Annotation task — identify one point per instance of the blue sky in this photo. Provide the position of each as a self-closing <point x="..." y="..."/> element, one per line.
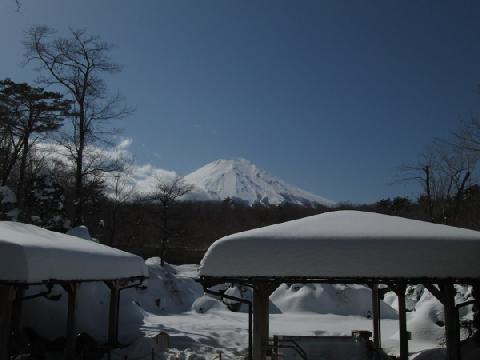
<point x="331" y="96"/>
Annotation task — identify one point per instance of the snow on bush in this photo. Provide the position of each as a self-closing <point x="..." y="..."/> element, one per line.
<point x="205" y="303"/>
<point x="80" y="231"/>
<point x="8" y="201"/>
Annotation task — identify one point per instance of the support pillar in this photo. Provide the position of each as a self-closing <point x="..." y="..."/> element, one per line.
<point x="402" y="317"/>
<point x="113" y="313"/>
<point x="260" y="321"/>
<point x="376" y="317"/>
<point x="452" y="328"/>
<point x="71" y="335"/>
<point x="17" y="312"/>
<point x="7" y="296"/>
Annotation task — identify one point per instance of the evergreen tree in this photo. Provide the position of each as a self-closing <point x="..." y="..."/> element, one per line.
<point x="32" y="113"/>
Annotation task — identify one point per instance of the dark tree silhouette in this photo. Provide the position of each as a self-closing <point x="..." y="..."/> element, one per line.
<point x="167" y="192"/>
<point x="32" y="113"/>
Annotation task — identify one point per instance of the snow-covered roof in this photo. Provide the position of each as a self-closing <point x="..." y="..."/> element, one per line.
<point x="30" y="254"/>
<point x="347" y="244"/>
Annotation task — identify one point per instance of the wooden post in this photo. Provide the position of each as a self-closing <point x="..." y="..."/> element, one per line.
<point x="17" y="314"/>
<point x="275" y="348"/>
<point x="260" y="321"/>
<point x="7" y="296"/>
<point x="113" y="313"/>
<point x="452" y="329"/>
<point x="402" y="317"/>
<point x="71" y="336"/>
<point x="376" y="317"/>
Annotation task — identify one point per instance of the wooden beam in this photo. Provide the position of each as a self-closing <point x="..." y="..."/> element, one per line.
<point x="7" y="296"/>
<point x="71" y="335"/>
<point x="452" y="328"/>
<point x="17" y="312"/>
<point x="376" y="317"/>
<point x="260" y="321"/>
<point x="402" y="317"/>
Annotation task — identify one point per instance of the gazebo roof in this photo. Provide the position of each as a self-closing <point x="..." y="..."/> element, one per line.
<point x="347" y="245"/>
<point x="29" y="254"/>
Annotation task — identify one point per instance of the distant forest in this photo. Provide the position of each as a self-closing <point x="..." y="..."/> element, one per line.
<point x="53" y="173"/>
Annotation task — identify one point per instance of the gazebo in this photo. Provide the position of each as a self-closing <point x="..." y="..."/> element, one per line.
<point x="30" y="255"/>
<point x="348" y="247"/>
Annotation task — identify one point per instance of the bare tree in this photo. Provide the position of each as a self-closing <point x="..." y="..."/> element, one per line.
<point x="468" y="137"/>
<point x="122" y="192"/>
<point x="424" y="173"/>
<point x="76" y="64"/>
<point x="444" y="173"/>
<point x="167" y="193"/>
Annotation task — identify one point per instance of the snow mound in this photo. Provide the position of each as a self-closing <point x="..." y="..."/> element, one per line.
<point x="206" y="303"/>
<point x="241" y="180"/>
<point x="169" y="289"/>
<point x="426" y="322"/>
<point x="328" y="299"/>
<point x="81" y="232"/>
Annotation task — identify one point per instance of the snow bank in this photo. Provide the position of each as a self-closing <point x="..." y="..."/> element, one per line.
<point x="169" y="289"/>
<point x="328" y="299"/>
<point x="348" y="244"/>
<point x="31" y="254"/>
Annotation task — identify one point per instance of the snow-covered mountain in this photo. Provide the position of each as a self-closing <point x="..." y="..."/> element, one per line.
<point x="239" y="179"/>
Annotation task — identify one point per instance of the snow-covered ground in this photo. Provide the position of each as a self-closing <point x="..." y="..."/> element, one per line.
<point x="200" y="327"/>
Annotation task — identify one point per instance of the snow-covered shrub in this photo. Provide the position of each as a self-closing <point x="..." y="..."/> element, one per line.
<point x="8" y="202"/>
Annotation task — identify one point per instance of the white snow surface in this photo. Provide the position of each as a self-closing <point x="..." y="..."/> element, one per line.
<point x="348" y="244"/>
<point x="30" y="254"/>
<point x="239" y="179"/>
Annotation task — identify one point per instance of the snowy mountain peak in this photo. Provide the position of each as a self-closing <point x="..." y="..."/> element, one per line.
<point x="242" y="180"/>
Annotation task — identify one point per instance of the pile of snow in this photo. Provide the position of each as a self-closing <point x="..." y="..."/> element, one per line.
<point x="206" y="303"/>
<point x="239" y="179"/>
<point x="347" y="244"/>
<point x="328" y="299"/>
<point x="81" y="232"/>
<point x="426" y="321"/>
<point x="169" y="289"/>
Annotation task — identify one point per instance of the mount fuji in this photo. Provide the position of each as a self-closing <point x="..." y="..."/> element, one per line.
<point x="241" y="180"/>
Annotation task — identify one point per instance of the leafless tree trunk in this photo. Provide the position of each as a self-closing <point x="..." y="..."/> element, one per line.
<point x="76" y="64"/>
